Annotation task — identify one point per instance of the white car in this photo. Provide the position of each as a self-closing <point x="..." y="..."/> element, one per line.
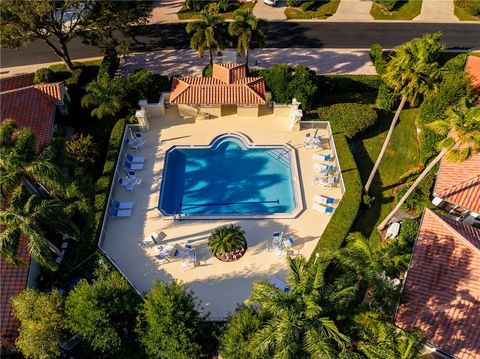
<point x="270" y="2"/>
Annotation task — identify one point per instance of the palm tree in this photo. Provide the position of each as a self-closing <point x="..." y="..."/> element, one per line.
<point x="411" y="73"/>
<point x="208" y="32"/>
<point x="382" y="340"/>
<point x="247" y="28"/>
<point x="461" y="130"/>
<point x="372" y="261"/>
<point x="34" y="219"/>
<point x="105" y="95"/>
<point x="226" y="239"/>
<point x="19" y="163"/>
<point x="297" y="322"/>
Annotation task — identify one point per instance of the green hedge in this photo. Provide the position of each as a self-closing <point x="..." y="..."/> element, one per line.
<point x="44" y="75"/>
<point x="103" y="184"/>
<point x="342" y="219"/>
<point x="348" y="83"/>
<point x="352" y="119"/>
<point x="378" y="58"/>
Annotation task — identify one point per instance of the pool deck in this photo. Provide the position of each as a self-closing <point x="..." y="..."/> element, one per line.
<point x="219" y="286"/>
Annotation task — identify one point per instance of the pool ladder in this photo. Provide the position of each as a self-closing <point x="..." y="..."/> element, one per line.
<point x="280" y="155"/>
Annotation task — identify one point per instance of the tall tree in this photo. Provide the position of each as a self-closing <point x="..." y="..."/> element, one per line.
<point x="36" y="220"/>
<point x="460" y="131"/>
<point x="25" y="21"/>
<point x="103" y="312"/>
<point x="298" y="324"/>
<point x="168" y="324"/>
<point x="42" y="323"/>
<point x="248" y="30"/>
<point x="411" y="73"/>
<point x="208" y="33"/>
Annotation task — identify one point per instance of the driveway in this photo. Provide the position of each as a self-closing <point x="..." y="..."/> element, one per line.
<point x="437" y="11"/>
<point x="270" y="13"/>
<point x="353" y="10"/>
<point x="323" y="61"/>
<point x="165" y="11"/>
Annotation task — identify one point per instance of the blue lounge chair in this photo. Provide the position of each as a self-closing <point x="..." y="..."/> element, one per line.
<point x="279" y="284"/>
<point x="323" y="209"/>
<point x="120" y="212"/>
<point x="133" y="166"/>
<point x="122" y="205"/>
<point x="135" y="159"/>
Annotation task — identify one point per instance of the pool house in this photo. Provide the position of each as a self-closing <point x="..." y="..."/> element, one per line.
<point x="181" y="174"/>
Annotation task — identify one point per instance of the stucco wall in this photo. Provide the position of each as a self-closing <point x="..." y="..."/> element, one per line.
<point x="251" y="111"/>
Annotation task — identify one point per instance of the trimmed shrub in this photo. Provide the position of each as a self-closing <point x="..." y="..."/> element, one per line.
<point x="342" y="219"/>
<point x="376" y="55"/>
<point x="143" y="84"/>
<point x="307" y="5"/>
<point x="104" y="183"/>
<point x="303" y="86"/>
<point x="278" y="78"/>
<point x="207" y="71"/>
<point x="387" y="5"/>
<point x="386" y="99"/>
<point x="44" y="75"/>
<point x="351" y="119"/>
<point x="456" y="64"/>
<point x="408" y="230"/>
<point x="348" y="83"/>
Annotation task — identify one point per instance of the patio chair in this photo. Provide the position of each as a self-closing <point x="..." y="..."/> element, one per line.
<point x="120" y="212"/>
<point x="323" y="199"/>
<point x="135" y="135"/>
<point x="125" y="183"/>
<point x="277" y="236"/>
<point x="146" y="243"/>
<point x="307" y="142"/>
<point x="317" y="142"/>
<point x="320" y="157"/>
<point x="164" y="253"/>
<point x="280" y="284"/>
<point x="122" y="205"/>
<point x="133" y="166"/>
<point x="288" y="242"/>
<point x="135" y="159"/>
<point x="323" y="209"/>
<point x="137" y="145"/>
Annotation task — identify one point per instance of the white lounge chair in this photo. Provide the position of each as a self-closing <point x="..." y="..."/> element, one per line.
<point x="317" y="142"/>
<point x="323" y="209"/>
<point x="307" y="142"/>
<point x="320" y="157"/>
<point x="133" y="166"/>
<point x="279" y="284"/>
<point x="135" y="145"/>
<point x="135" y="159"/>
<point x="120" y="212"/>
<point x="122" y="205"/>
<point x="323" y="199"/>
<point x="288" y="242"/>
<point x="126" y="183"/>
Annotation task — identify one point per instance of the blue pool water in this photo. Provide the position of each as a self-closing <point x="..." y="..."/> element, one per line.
<point x="227" y="178"/>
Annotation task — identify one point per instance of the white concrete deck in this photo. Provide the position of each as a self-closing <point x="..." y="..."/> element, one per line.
<point x="220" y="286"/>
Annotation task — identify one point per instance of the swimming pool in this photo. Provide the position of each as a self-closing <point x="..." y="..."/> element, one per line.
<point x="229" y="177"/>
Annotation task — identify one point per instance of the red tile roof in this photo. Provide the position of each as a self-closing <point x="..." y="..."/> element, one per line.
<point x="32" y="107"/>
<point x="459" y="182"/>
<point x="441" y="294"/>
<point x="473" y="68"/>
<point x="8" y="83"/>
<point x="228" y="85"/>
<point x="13" y="281"/>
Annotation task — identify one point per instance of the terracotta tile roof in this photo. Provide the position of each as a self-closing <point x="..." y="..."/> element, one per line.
<point x="32" y="107"/>
<point x="228" y="85"/>
<point x="441" y="293"/>
<point x="8" y="83"/>
<point x="13" y="281"/>
<point x="473" y="68"/>
<point x="459" y="183"/>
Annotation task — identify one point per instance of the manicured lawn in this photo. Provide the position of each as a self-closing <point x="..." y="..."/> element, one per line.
<point x="404" y="10"/>
<point x="463" y="12"/>
<point x="318" y="10"/>
<point x="186" y="14"/>
<point x="402" y="155"/>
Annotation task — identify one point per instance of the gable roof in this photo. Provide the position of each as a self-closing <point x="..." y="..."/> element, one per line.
<point x="459" y="182"/>
<point x="8" y="83"/>
<point x="441" y="294"/>
<point x="14" y="281"/>
<point x="31" y="106"/>
<point x="228" y="85"/>
<point x="473" y="69"/>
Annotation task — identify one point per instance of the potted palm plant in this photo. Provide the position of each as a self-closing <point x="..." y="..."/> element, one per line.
<point x="228" y="243"/>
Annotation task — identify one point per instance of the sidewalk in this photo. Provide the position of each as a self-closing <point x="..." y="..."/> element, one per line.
<point x="352" y="11"/>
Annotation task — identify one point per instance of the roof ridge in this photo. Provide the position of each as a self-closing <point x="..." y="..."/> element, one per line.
<point x="248" y="85"/>
<point x="443" y="220"/>
<point x="460" y="184"/>
<point x="187" y="86"/>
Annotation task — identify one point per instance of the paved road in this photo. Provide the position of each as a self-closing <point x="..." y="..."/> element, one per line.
<point x="281" y="35"/>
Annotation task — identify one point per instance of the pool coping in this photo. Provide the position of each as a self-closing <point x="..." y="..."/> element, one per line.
<point x="299" y="205"/>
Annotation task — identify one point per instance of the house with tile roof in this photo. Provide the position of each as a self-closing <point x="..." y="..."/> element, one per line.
<point x="33" y="106"/>
<point x="228" y="89"/>
<point x="457" y="189"/>
<point x="441" y="293"/>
